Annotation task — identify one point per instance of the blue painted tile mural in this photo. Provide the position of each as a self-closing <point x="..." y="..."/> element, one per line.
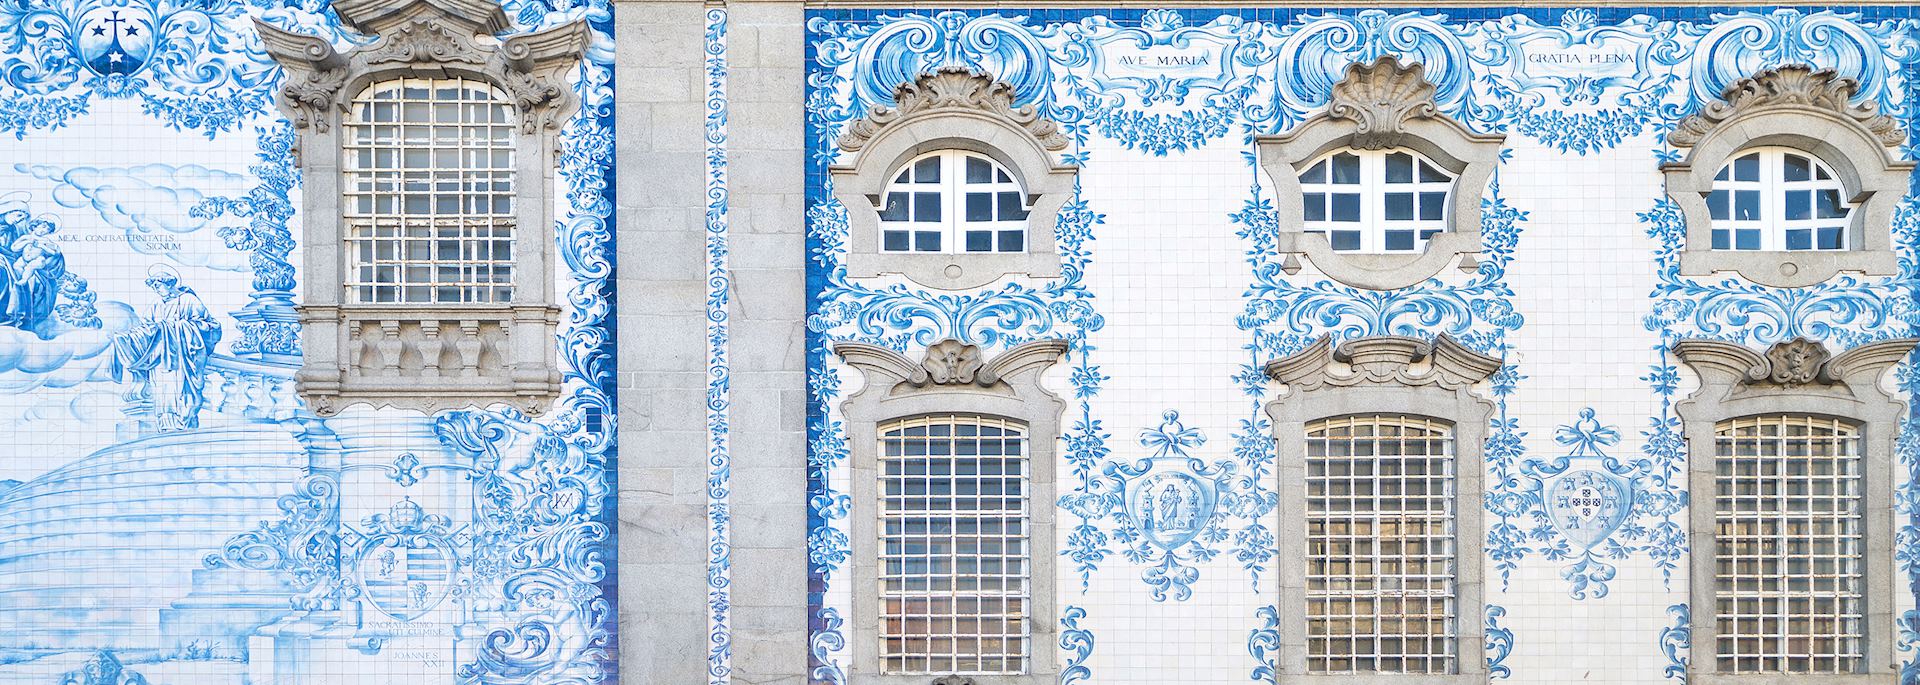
<point x="170" y="512"/>
<point x="1173" y="296"/>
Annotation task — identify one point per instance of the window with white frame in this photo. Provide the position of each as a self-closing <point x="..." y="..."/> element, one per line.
<point x="1380" y="586"/>
<point x="953" y="552"/>
<point x="429" y="192"/>
<point x="1776" y="199"/>
<point x="1788" y="574"/>
<point x="953" y="201"/>
<point x="1375" y="201"/>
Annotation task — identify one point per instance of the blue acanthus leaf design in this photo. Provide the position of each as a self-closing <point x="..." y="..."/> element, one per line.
<point x="1077" y="642"/>
<point x="1499" y="644"/>
<point x="302" y="548"/>
<point x="1263" y="644"/>
<point x="1676" y="641"/>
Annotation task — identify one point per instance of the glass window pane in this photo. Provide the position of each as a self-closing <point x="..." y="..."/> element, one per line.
<point x="1315" y="174"/>
<point x="1799" y="205"/>
<point x="896" y="209"/>
<point x="1346" y="207"/>
<point x="1346" y="169"/>
<point x="979" y="171"/>
<point x="1399" y="206"/>
<point x="1747" y="168"/>
<point x="1719" y="205"/>
<point x="1800" y="239"/>
<point x="1721" y="239"/>
<point x="1433" y="206"/>
<point x="926" y="241"/>
<point x="1746" y="239"/>
<point x="979" y="206"/>
<point x="979" y="241"/>
<point x="1399" y="167"/>
<point x="1428" y="174"/>
<point x="1796" y="168"/>
<point x="1011" y="208"/>
<point x="1828" y="200"/>
<point x="1314" y="206"/>
<point x="1400" y="241"/>
<point x="926" y="208"/>
<point x="1346" y="241"/>
<point x="1013" y="241"/>
<point x="1746" y="205"/>
<point x="927" y="170"/>
<point x="1832" y="238"/>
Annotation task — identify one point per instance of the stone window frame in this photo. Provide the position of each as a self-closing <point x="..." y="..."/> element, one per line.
<point x="1778" y="108"/>
<point x="1377" y="106"/>
<point x="1796" y="376"/>
<point x="1371" y="375"/>
<point x="954" y="378"/>
<point x="952" y="108"/>
<point x="428" y="357"/>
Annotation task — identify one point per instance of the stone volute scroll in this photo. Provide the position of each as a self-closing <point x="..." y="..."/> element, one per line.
<point x="952" y="108"/>
<point x="1436" y="379"/>
<point x="1810" y="110"/>
<point x="1382" y="105"/>
<point x="428" y="355"/>
<point x="1796" y="377"/>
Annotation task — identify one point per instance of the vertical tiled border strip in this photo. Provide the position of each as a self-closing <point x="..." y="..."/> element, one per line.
<point x="719" y="397"/>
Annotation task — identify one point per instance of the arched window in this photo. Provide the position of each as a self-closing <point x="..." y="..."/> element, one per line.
<point x="951" y="524"/>
<point x="1380" y="576"/>
<point x="1375" y="201"/>
<point x="954" y="571"/>
<point x="1774" y="199"/>
<point x="1380" y="585"/>
<point x="1789" y="573"/>
<point x="428" y="193"/>
<point x="428" y="274"/>
<point x="953" y="201"/>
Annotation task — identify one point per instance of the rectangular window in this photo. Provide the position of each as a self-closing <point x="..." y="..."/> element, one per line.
<point x="954" y="585"/>
<point x="1787" y="554"/>
<point x="1380" y="584"/>
<point x="428" y="193"/>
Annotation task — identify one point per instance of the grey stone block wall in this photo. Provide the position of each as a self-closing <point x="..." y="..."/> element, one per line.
<point x="663" y="534"/>
<point x="765" y="53"/>
<point x="662" y="390"/>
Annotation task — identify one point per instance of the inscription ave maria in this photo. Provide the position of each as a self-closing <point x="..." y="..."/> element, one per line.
<point x="1166" y="61"/>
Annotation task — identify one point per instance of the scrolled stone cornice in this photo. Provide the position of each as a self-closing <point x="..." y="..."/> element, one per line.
<point x="1794" y="363"/>
<point x="951" y="363"/>
<point x="1382" y="360"/>
<point x="1789" y="87"/>
<point x="952" y="90"/>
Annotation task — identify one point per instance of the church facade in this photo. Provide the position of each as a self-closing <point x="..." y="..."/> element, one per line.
<point x="876" y="343"/>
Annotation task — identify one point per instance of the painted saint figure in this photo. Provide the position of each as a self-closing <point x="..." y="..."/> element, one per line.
<point x="38" y="267"/>
<point x="166" y="354"/>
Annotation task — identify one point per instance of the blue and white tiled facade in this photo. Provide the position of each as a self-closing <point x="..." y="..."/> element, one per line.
<point x="1173" y="297"/>
<point x="190" y="520"/>
<point x="210" y="528"/>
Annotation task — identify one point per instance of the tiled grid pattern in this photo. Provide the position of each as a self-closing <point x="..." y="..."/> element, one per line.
<point x="1787" y="503"/>
<point x="953" y="545"/>
<point x="1380" y="547"/>
<point x="429" y="192"/>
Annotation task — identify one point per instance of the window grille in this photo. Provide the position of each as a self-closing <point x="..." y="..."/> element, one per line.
<point x="1375" y="201"/>
<point x="953" y="546"/>
<point x="954" y="201"/>
<point x="1380" y="584"/>
<point x="429" y="191"/>
<point x="1777" y="199"/>
<point x="1787" y="553"/>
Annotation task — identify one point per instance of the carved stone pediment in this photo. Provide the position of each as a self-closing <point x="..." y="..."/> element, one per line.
<point x="1379" y="98"/>
<point x="452" y="35"/>
<point x="952" y="89"/>
<point x="1790" y="364"/>
<point x="952" y="680"/>
<point x="1384" y="359"/>
<point x="951" y="363"/>
<point x="1794" y="86"/>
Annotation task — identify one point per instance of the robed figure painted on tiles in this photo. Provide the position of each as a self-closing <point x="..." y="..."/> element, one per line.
<point x="166" y="354"/>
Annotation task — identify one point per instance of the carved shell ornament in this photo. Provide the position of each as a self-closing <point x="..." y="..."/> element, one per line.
<point x="950" y="362"/>
<point x="1796" y="362"/>
<point x="1380" y="97"/>
<point x="952" y="89"/>
<point x="1788" y="87"/>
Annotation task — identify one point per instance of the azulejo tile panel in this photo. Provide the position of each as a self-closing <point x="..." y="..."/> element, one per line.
<point x="169" y="511"/>
<point x="1172" y="298"/>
